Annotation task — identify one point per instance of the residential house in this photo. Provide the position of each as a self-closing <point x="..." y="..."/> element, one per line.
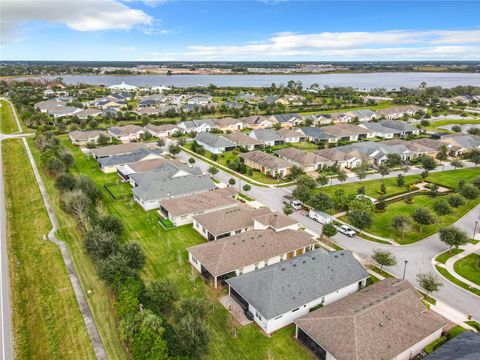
<point x="292" y="135"/>
<point x="148" y="111"/>
<point x="112" y="163"/>
<point x="376" y="153"/>
<point x="386" y="320"/>
<point x="271" y="99"/>
<point x="278" y="294"/>
<point x="461" y="143"/>
<point x="248" y="98"/>
<point x="341" y="118"/>
<point x="180" y="211"/>
<point x="268" y="136"/>
<point x="170" y="181"/>
<point x="405" y="128"/>
<point x="292" y="99"/>
<point x="83" y="138"/>
<point x="416" y="149"/>
<point x="227" y="222"/>
<point x="233" y="105"/>
<point x="381" y="131"/>
<point x="247" y="252"/>
<point x="197" y="126"/>
<point x="244" y="141"/>
<point x="123" y="87"/>
<point x="45" y="106"/>
<point x="362" y="115"/>
<point x="465" y="346"/>
<point x="397" y="112"/>
<point x="124" y="171"/>
<point x="274" y="220"/>
<point x="344" y="160"/>
<point x="200" y="100"/>
<point x="306" y="160"/>
<point x="318" y="135"/>
<point x="287" y="120"/>
<point x="116" y="149"/>
<point x="266" y="163"/>
<point x="348" y="132"/>
<point x="162" y="131"/>
<point x="257" y="122"/>
<point x="320" y="119"/>
<point x="127" y="133"/>
<point x="229" y="124"/>
<point x="214" y="143"/>
<point x="88" y="113"/>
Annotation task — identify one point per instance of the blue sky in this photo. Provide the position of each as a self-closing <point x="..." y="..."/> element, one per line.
<point x="156" y="30"/>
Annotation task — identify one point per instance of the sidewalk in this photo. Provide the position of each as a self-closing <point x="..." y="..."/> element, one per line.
<point x="449" y="265"/>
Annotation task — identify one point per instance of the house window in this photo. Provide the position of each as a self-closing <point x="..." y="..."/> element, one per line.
<point x="258" y="315"/>
<point x="194" y="259"/>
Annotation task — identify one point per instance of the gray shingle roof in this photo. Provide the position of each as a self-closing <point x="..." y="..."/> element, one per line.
<point x="317" y="133"/>
<point x="465" y="346"/>
<point x="282" y="287"/>
<point x="397" y="124"/>
<point x="214" y="141"/>
<point x="266" y="135"/>
<point x="137" y="155"/>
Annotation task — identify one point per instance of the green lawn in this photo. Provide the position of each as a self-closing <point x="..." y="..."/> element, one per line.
<point x="304" y="145"/>
<point x="435" y="125"/>
<point x="47" y="323"/>
<point x="381" y="224"/>
<point x="444" y="272"/>
<point x="469" y="268"/>
<point x="233" y="156"/>
<point x="443" y="257"/>
<point x="120" y="190"/>
<point x="372" y="187"/>
<point x="452" y="177"/>
<point x="8" y="125"/>
<point x="167" y="258"/>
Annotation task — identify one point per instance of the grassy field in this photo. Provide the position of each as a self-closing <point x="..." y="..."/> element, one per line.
<point x="435" y="125"/>
<point x="167" y="258"/>
<point x="381" y="224"/>
<point x="372" y="187"/>
<point x="469" y="268"/>
<point x="99" y="296"/>
<point x="8" y="124"/>
<point x="47" y="323"/>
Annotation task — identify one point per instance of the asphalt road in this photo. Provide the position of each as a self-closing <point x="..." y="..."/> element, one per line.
<point x="418" y="255"/>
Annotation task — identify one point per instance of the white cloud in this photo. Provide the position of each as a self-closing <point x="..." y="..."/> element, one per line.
<point x="80" y="15"/>
<point x="395" y="44"/>
<point x="126" y="48"/>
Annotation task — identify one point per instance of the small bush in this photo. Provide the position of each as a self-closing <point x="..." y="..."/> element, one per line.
<point x="455" y="200"/>
<point x="442" y="207"/>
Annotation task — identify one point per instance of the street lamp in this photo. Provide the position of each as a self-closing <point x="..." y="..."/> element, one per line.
<point x="475" y="229"/>
<point x="404" y="269"/>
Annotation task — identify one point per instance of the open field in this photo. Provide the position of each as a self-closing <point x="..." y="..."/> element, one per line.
<point x="8" y="125"/>
<point x="469" y="268"/>
<point x="381" y="224"/>
<point x="46" y="318"/>
<point x="99" y="296"/>
<point x="167" y="258"/>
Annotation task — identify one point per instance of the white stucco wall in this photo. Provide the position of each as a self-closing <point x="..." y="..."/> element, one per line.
<point x="418" y="347"/>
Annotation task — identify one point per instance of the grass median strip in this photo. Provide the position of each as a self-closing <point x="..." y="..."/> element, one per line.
<point x="454" y="280"/>
<point x="46" y="319"/>
<point x="469" y="268"/>
<point x="8" y="125"/>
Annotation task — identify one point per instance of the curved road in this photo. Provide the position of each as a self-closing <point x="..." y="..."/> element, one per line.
<point x="418" y="255"/>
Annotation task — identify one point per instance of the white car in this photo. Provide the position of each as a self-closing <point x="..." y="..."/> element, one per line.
<point x="344" y="229"/>
<point x="296" y="204"/>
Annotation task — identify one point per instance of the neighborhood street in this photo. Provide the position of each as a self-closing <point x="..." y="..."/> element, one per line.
<point x="418" y="255"/>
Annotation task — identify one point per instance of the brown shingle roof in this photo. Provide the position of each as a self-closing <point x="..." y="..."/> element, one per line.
<point x="161" y="128"/>
<point x="242" y="139"/>
<point x="198" y="203"/>
<point x="228" y="121"/>
<point x="152" y="164"/>
<point x="275" y="220"/>
<point x="228" y="254"/>
<point x="289" y="133"/>
<point x="345" y="130"/>
<point x="304" y="158"/>
<point x="378" y="322"/>
<point x="117" y="149"/>
<point x="227" y="220"/>
<point x="267" y="160"/>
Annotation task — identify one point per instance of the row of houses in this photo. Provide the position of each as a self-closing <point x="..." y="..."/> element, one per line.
<point x="352" y="155"/>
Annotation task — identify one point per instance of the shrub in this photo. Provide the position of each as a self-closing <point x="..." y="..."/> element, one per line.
<point x="469" y="191"/>
<point x="101" y="244"/>
<point x="65" y="182"/>
<point x="114" y="268"/>
<point x="442" y="207"/>
<point x="161" y="295"/>
<point x="110" y="223"/>
<point x="455" y="200"/>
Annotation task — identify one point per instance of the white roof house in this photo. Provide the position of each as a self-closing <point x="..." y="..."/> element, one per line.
<point x="123" y="87"/>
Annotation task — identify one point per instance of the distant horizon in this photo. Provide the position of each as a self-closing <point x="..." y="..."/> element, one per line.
<point x="251" y="61"/>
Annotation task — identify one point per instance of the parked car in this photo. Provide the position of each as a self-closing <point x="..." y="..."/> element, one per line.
<point x="346" y="230"/>
<point x="294" y="203"/>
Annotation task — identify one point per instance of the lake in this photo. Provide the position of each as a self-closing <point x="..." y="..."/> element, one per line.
<point x="361" y="81"/>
